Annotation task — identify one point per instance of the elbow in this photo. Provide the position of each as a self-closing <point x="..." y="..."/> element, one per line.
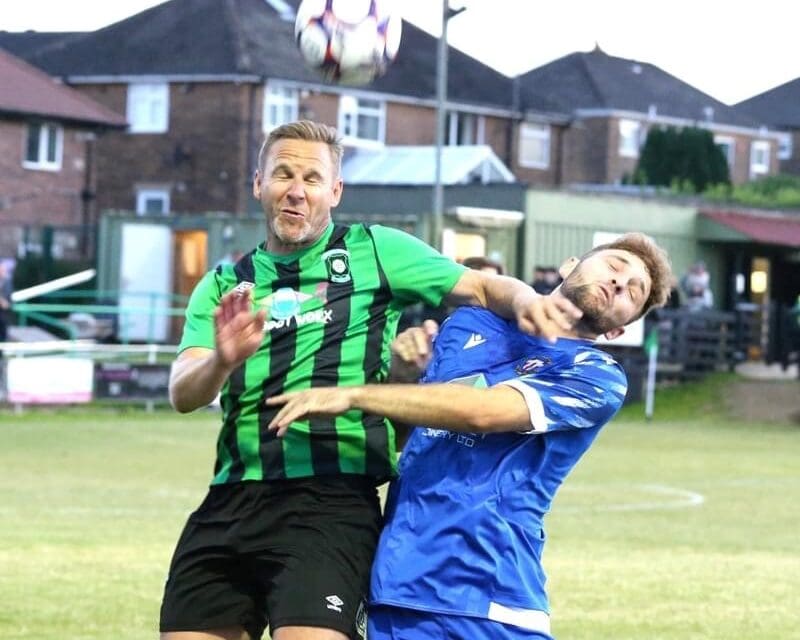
<point x="180" y="404"/>
<point x="181" y="408"/>
<point x="488" y="421"/>
<point x="484" y="422"/>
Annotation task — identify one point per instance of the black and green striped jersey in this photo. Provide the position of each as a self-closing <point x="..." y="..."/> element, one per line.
<point x="332" y="311"/>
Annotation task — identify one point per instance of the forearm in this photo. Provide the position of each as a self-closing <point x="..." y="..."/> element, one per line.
<point x="445" y="406"/>
<point x="500" y="294"/>
<point x="195" y="381"/>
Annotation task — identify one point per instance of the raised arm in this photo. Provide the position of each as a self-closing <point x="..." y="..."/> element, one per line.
<point x="444" y="406"/>
<point x="546" y="316"/>
<point x="199" y="373"/>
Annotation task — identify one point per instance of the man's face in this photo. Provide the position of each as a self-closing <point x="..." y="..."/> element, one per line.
<point x="297" y="188"/>
<point x="610" y="287"/>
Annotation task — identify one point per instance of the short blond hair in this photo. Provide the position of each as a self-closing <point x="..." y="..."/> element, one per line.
<point x="305" y="130"/>
<point x="656" y="261"/>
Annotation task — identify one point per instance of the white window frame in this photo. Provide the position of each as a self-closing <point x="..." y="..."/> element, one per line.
<point x="284" y="100"/>
<point x="785" y="146"/>
<point x="729" y="148"/>
<point x="630" y="138"/>
<point x="147" y="109"/>
<point x="474" y="126"/>
<point x="143" y="194"/>
<point x="351" y="108"/>
<point x="758" y="167"/>
<point x="539" y="134"/>
<point x="46" y="131"/>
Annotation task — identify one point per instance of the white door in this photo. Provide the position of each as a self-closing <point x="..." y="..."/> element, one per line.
<point x="145" y="282"/>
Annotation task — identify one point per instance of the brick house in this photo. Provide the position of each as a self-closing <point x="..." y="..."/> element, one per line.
<point x="47" y="137"/>
<point x="586" y="116"/>
<point x="201" y="81"/>
<point x="778" y="109"/>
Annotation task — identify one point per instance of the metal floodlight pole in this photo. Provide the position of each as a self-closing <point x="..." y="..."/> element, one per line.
<point x="441" y="113"/>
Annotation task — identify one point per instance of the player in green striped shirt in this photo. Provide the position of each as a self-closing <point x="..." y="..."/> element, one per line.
<point x="286" y="534"/>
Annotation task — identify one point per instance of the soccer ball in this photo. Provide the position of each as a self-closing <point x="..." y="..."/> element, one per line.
<point x="348" y="41"/>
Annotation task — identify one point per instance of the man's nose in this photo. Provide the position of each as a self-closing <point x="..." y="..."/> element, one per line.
<point x="296" y="190"/>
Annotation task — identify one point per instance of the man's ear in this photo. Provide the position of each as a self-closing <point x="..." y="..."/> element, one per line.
<point x="338" y="187"/>
<point x="567" y="266"/>
<point x="614" y="333"/>
<point x="257" y="185"/>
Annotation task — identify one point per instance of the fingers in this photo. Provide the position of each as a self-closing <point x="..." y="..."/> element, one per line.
<point x="288" y="413"/>
<point x="413" y="346"/>
<point x="431" y="328"/>
<point x="300" y="404"/>
<point x="239" y="331"/>
<point x="549" y="317"/>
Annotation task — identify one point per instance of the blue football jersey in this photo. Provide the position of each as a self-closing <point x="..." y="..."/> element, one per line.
<point x="464" y="530"/>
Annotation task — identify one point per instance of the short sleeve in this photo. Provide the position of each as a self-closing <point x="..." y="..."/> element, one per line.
<point x="416" y="272"/>
<point x="198" y="329"/>
<point x="585" y="393"/>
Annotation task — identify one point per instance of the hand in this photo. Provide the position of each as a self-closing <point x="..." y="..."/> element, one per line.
<point x="297" y="404"/>
<point x="548" y="316"/>
<point x="239" y="331"/>
<point x="412" y="350"/>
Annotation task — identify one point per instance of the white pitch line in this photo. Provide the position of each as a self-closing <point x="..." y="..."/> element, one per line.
<point x="682" y="499"/>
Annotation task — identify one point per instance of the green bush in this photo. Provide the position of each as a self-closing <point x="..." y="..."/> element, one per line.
<point x="687" y="160"/>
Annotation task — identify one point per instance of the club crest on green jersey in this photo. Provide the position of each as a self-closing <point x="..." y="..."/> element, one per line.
<point x="337" y="264"/>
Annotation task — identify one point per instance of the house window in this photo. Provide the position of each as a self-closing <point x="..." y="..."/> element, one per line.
<point x="152" y="201"/>
<point x="280" y="106"/>
<point x="465" y="128"/>
<point x="759" y="158"/>
<point x="534" y="145"/>
<point x="785" y="146"/>
<point x="362" y="121"/>
<point x="728" y="147"/>
<point x="148" y="108"/>
<point x="44" y="146"/>
<point x="630" y="135"/>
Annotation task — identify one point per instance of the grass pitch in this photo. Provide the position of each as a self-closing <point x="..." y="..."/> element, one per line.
<point x="685" y="528"/>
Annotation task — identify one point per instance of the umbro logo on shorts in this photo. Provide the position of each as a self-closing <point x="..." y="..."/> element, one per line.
<point x="335" y="603"/>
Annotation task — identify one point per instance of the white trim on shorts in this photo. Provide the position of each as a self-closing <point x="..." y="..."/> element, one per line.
<point x="531" y="619"/>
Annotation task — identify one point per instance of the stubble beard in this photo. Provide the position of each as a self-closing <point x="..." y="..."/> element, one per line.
<point x="581" y="295"/>
<point x="290" y="237"/>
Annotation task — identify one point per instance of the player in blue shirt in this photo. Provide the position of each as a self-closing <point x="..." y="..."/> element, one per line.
<point x="506" y="416"/>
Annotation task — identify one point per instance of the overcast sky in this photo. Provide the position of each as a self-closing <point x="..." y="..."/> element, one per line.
<point x="730" y="50"/>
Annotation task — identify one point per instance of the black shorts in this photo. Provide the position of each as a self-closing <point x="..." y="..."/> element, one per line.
<point x="296" y="552"/>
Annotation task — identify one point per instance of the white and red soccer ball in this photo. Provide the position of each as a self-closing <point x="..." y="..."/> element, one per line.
<point x="348" y="41"/>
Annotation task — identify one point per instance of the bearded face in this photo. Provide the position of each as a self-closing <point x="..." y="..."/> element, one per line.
<point x="610" y="287"/>
<point x="586" y="298"/>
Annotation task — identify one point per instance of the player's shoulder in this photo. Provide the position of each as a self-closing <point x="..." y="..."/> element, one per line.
<point x="472" y="318"/>
<point x="383" y="234"/>
<point x="595" y="362"/>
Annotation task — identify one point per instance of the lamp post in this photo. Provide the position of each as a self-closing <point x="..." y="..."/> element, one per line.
<point x="441" y="113"/>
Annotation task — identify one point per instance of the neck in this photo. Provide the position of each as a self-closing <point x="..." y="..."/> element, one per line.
<point x="276" y="246"/>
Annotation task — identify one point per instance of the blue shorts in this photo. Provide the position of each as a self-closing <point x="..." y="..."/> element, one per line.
<point x="396" y="623"/>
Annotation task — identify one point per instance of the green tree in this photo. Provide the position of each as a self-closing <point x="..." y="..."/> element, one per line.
<point x="685" y="156"/>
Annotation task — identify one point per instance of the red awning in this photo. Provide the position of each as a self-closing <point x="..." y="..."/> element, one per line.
<point x="762" y="226"/>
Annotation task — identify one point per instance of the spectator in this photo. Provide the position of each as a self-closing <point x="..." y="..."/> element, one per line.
<point x="696" y="288"/>
<point x="545" y="280"/>
<point x="6" y="289"/>
<point x="483" y="264"/>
